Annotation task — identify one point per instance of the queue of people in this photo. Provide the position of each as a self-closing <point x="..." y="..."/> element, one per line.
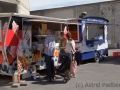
<point x="67" y="45"/>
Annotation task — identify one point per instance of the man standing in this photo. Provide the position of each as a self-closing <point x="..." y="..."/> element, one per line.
<point x="49" y="46"/>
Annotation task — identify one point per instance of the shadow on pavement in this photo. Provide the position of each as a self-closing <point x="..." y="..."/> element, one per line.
<point x="106" y="60"/>
<point x="5" y="80"/>
<point x="87" y="61"/>
<point x="110" y="60"/>
<point x="43" y="81"/>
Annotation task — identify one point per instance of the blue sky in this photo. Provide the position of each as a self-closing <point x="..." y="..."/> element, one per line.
<point x="47" y="4"/>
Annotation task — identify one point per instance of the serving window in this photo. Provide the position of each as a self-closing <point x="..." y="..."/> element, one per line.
<point x="73" y="29"/>
<point x="94" y="31"/>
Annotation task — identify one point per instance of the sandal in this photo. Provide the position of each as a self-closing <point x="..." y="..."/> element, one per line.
<point x="74" y="76"/>
<point x="71" y="75"/>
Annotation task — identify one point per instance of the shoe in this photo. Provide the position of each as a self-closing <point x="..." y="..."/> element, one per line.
<point x="46" y="77"/>
<point x="74" y="76"/>
<point x="49" y="80"/>
<point x="53" y="77"/>
<point x="71" y="75"/>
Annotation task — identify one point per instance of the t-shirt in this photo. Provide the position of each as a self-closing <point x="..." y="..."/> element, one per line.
<point x="68" y="46"/>
<point x="63" y="42"/>
<point x="50" y="43"/>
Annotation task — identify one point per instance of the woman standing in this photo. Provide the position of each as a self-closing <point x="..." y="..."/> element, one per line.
<point x="70" y="48"/>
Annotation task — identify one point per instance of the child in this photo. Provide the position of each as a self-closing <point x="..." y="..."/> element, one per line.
<point x="73" y="68"/>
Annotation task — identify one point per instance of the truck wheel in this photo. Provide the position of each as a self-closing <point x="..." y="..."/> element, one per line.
<point x="97" y="57"/>
<point x="102" y="58"/>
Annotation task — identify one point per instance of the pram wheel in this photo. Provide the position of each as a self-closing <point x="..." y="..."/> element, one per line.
<point x="68" y="74"/>
<point x="65" y="80"/>
<point x="68" y="78"/>
<point x="55" y="77"/>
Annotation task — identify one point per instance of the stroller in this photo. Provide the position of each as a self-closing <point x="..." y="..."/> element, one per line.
<point x="64" y="69"/>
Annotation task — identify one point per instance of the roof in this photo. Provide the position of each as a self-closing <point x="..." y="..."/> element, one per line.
<point x="37" y="18"/>
<point x="50" y="19"/>
<point x="29" y="16"/>
<point x="95" y="17"/>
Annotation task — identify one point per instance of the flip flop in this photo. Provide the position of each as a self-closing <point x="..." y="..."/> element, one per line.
<point x="74" y="76"/>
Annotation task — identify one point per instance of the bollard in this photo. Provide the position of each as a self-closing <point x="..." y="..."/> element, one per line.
<point x="115" y="54"/>
<point x="118" y="54"/>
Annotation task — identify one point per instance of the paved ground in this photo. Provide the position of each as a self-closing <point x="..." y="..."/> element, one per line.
<point x="5" y="80"/>
<point x="90" y="76"/>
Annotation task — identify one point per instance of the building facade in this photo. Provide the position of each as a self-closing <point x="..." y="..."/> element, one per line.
<point x="14" y="6"/>
<point x="109" y="10"/>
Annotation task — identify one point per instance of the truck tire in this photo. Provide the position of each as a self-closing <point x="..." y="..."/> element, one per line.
<point x="97" y="57"/>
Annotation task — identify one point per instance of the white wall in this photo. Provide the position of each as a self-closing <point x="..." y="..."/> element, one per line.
<point x="23" y="7"/>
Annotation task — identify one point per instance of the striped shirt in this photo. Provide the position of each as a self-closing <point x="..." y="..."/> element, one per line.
<point x="50" y="45"/>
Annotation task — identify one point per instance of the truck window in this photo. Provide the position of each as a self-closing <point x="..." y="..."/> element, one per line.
<point x="74" y="31"/>
<point x="95" y="32"/>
